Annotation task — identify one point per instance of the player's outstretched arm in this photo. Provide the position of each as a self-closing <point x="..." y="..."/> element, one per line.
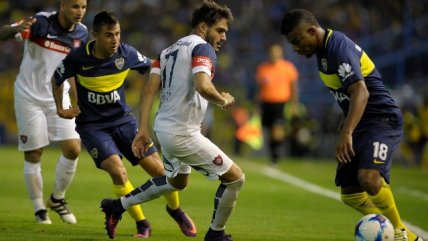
<point x="205" y="88"/>
<point x="142" y="140"/>
<point x="57" y="91"/>
<point x="9" y="31"/>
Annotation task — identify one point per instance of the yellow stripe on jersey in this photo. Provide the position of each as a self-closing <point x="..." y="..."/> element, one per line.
<point x="329" y="32"/>
<point x="331" y="80"/>
<point x="104" y="83"/>
<point x="367" y="66"/>
<point x="88" y="51"/>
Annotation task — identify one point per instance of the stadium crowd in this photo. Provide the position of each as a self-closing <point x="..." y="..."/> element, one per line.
<point x="394" y="33"/>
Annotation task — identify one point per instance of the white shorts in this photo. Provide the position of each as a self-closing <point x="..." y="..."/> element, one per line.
<point x="196" y="151"/>
<point x="38" y="123"/>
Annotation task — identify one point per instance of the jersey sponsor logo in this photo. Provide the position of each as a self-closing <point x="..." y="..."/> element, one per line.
<point x="101" y="99"/>
<point x="376" y="161"/>
<point x="119" y="63"/>
<point x="218" y="160"/>
<point x="345" y="70"/>
<point x="202" y="61"/>
<point x="87" y="67"/>
<point x="339" y="96"/>
<point x="51" y="44"/>
<point x="57" y="46"/>
<point x="23" y="138"/>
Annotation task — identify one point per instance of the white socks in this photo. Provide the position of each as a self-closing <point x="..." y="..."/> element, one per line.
<point x="64" y="174"/>
<point x="34" y="183"/>
<point x="224" y="202"/>
<point x="153" y="188"/>
<point x="65" y="170"/>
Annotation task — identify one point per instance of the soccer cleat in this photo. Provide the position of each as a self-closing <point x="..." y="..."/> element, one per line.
<point x="144" y="230"/>
<point x="42" y="217"/>
<point x="400" y="235"/>
<point x="184" y="221"/>
<point x="213" y="235"/>
<point x="412" y="236"/>
<point x="60" y="207"/>
<point x="113" y="214"/>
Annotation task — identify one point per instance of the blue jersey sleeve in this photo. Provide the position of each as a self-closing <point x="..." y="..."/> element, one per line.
<point x="39" y="28"/>
<point x="65" y="69"/>
<point x="139" y="62"/>
<point x="348" y="63"/>
<point x="205" y="50"/>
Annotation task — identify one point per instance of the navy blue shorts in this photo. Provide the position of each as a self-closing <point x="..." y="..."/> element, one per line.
<point x="374" y="148"/>
<point x="272" y="114"/>
<point x="116" y="140"/>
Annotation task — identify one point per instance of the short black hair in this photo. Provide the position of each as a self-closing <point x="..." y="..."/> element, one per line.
<point x="293" y="17"/>
<point x="104" y="18"/>
<point x="210" y="12"/>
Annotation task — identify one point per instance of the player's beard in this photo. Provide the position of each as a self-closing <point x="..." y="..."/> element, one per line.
<point x="206" y="36"/>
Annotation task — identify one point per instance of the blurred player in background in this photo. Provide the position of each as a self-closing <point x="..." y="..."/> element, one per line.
<point x="277" y="82"/>
<point x="373" y="124"/>
<point x="48" y="37"/>
<point x="104" y="121"/>
<point x="183" y="74"/>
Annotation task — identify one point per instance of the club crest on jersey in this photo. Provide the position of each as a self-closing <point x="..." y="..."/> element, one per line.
<point x="94" y="153"/>
<point x="119" y="63"/>
<point x="218" y="160"/>
<point x="324" y="64"/>
<point x="23" y="138"/>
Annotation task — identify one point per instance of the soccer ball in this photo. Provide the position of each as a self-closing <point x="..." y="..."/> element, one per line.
<point x="374" y="227"/>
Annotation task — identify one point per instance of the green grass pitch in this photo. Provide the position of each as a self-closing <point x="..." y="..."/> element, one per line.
<point x="267" y="210"/>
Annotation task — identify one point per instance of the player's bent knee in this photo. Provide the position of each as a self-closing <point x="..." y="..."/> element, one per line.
<point x="237" y="184"/>
<point x="33" y="156"/>
<point x="179" y="182"/>
<point x="370" y="180"/>
<point x="71" y="149"/>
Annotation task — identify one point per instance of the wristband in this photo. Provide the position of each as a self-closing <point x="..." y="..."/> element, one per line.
<point x="225" y="103"/>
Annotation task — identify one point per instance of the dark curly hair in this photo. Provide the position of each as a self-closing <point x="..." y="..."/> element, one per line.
<point x="210" y="12"/>
<point x="293" y="17"/>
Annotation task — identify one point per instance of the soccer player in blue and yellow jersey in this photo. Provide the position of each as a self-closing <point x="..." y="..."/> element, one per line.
<point x="373" y="124"/>
<point x="104" y="121"/>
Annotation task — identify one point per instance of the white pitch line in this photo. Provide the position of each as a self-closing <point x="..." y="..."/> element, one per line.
<point x="287" y="178"/>
<point x="412" y="192"/>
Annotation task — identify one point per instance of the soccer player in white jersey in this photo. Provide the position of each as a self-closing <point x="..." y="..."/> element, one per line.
<point x="48" y="37"/>
<point x="183" y="74"/>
